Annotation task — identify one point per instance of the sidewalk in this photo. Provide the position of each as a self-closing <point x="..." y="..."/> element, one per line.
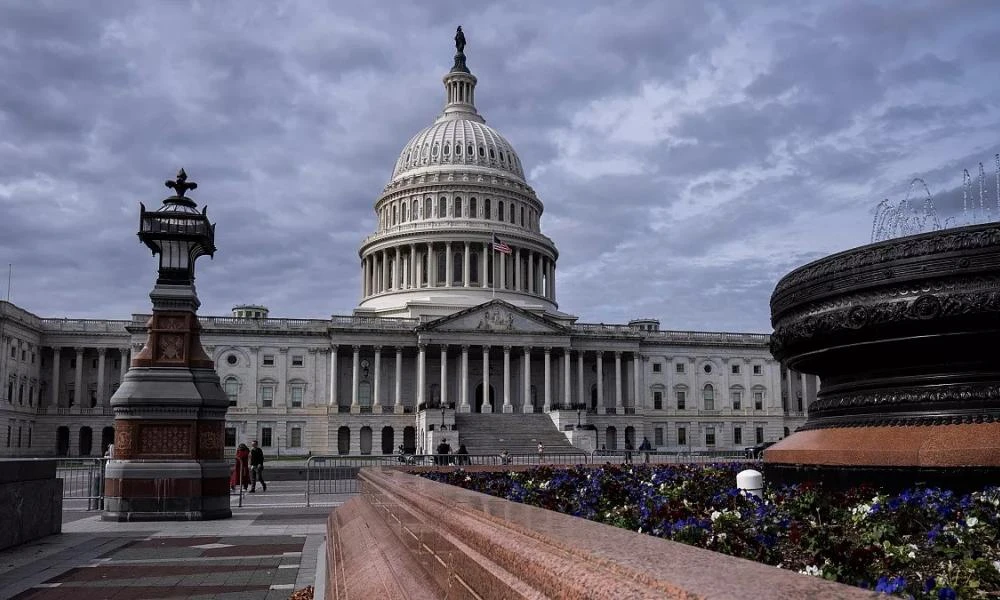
<point x="255" y="555"/>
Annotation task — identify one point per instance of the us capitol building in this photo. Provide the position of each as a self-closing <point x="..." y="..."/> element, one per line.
<point x="458" y="318"/>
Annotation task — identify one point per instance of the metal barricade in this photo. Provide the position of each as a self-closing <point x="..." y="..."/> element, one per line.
<point x="667" y="458"/>
<point x="338" y="474"/>
<point x="83" y="482"/>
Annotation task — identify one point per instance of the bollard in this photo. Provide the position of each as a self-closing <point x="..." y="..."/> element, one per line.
<point x="750" y="482"/>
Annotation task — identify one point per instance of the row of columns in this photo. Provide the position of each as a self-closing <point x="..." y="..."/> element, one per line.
<point x="463" y="401"/>
<point x="523" y="270"/>
<point x="103" y="398"/>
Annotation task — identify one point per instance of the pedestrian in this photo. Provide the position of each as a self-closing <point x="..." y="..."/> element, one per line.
<point x="443" y="449"/>
<point x="463" y="453"/>
<point x="504" y="457"/>
<point x="628" y="452"/>
<point x="541" y="453"/>
<point x="241" y="469"/>
<point x="256" y="467"/>
<point x="401" y="454"/>
<point x="645" y="446"/>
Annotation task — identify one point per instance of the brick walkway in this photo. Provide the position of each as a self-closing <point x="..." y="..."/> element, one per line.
<point x="254" y="555"/>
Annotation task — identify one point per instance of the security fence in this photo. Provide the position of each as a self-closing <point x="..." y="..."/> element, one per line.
<point x="83" y="482"/>
<point x="667" y="458"/>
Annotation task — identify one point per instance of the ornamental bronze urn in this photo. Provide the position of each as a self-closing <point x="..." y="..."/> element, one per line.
<point x="903" y="335"/>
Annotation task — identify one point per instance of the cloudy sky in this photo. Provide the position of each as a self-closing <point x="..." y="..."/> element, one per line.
<point x="688" y="153"/>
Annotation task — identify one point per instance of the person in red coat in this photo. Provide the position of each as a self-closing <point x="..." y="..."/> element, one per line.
<point x="241" y="470"/>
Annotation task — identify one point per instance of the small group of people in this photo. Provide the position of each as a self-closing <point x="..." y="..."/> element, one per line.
<point x="444" y="449"/>
<point x="249" y="468"/>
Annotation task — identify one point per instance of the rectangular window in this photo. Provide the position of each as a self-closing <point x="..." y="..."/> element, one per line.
<point x="297" y="361"/>
<point x="31" y="395"/>
<point x="737" y="398"/>
<point x="657" y="367"/>
<point x="295" y="440"/>
<point x="680" y="367"/>
<point x="93" y="364"/>
<point x="72" y="363"/>
<point x="737" y="436"/>
<point x="20" y="394"/>
<point x="265" y="437"/>
<point x="297" y="392"/>
<point x="32" y="362"/>
<point x="118" y="363"/>
<point x="658" y="436"/>
<point x="71" y="396"/>
<point x="758" y="369"/>
<point x="760" y="435"/>
<point x="681" y="399"/>
<point x="267" y="396"/>
<point x="232" y="388"/>
<point x="24" y="355"/>
<point x="758" y="400"/>
<point x="658" y="400"/>
<point x="10" y="390"/>
<point x="710" y="436"/>
<point x="268" y="360"/>
<point x="736" y="369"/>
<point x="230" y="436"/>
<point x="13" y="351"/>
<point x="708" y="395"/>
<point x="8" y="435"/>
<point x="682" y="437"/>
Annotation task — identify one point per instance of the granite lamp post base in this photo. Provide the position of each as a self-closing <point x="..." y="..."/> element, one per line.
<point x="167" y="491"/>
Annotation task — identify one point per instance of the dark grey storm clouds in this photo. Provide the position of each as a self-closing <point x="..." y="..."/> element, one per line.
<point x="688" y="153"/>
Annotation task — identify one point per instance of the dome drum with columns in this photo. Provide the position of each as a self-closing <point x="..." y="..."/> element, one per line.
<point x="457" y="187"/>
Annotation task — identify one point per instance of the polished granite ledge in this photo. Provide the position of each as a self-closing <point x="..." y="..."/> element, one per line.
<point x="409" y="537"/>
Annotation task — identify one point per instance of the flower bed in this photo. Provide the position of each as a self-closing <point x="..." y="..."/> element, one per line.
<point x="924" y="543"/>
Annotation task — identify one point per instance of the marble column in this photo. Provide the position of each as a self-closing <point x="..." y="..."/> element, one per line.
<point x="444" y="374"/>
<point x="526" y="406"/>
<point x="420" y="271"/>
<point x="355" y="380"/>
<point x="464" y="391"/>
<point x="517" y="269"/>
<point x="548" y="380"/>
<point x="531" y="272"/>
<point x="552" y="278"/>
<point x="333" y="375"/>
<point x="567" y="369"/>
<point x="102" y="396"/>
<point x="487" y="405"/>
<point x="412" y="276"/>
<point x="79" y="395"/>
<point x="448" y="268"/>
<point x="466" y="267"/>
<point x="123" y="364"/>
<point x="618" y="383"/>
<point x="421" y="364"/>
<point x="582" y="399"/>
<point x="503" y="270"/>
<point x="637" y="399"/>
<point x="55" y="377"/>
<point x="377" y="388"/>
<point x="507" y="407"/>
<point x="398" y="395"/>
<point x="484" y="272"/>
<point x="600" y="383"/>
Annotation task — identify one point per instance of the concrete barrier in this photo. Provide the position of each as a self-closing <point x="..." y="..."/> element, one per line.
<point x="409" y="537"/>
<point x="30" y="500"/>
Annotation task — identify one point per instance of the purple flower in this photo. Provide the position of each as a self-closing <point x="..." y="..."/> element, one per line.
<point x="946" y="593"/>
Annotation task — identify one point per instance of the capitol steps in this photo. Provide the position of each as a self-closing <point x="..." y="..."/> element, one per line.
<point x="517" y="433"/>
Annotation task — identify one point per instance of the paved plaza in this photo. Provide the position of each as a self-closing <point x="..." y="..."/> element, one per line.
<point x="266" y="551"/>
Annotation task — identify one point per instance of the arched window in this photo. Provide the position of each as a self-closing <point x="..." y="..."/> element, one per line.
<point x="415" y="210"/>
<point x="458" y="149"/>
<point x="402" y="213"/>
<point x="474" y="268"/>
<point x="500" y="210"/>
<point x="472" y="208"/>
<point x="447" y="149"/>
<point x="344" y="440"/>
<point x="468" y="149"/>
<point x="511" y="212"/>
<point x="232" y="387"/>
<point x="427" y="208"/>
<point x="457" y="212"/>
<point x="395" y="214"/>
<point x="442" y="207"/>
<point x="708" y="395"/>
<point x="387" y="432"/>
<point x="456" y="268"/>
<point x="486" y="209"/>
<point x="522" y="216"/>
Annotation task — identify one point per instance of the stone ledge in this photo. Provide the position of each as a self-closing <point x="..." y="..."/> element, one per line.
<point x="455" y="543"/>
<point x="26" y="469"/>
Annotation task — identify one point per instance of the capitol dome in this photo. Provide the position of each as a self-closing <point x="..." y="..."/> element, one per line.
<point x="458" y="225"/>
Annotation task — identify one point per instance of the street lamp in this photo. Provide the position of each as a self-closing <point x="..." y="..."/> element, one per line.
<point x="578" y="411"/>
<point x="442" y="415"/>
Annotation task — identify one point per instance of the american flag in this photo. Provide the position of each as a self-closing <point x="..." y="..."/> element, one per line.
<point x="500" y="246"/>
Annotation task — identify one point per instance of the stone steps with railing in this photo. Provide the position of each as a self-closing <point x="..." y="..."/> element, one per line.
<point x="515" y="432"/>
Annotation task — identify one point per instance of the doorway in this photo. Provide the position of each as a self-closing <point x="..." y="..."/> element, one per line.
<point x="492" y="399"/>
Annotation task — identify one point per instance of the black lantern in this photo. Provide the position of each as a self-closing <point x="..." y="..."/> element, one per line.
<point x="178" y="233"/>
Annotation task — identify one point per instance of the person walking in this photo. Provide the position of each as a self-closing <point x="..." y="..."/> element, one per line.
<point x="541" y="453"/>
<point x="645" y="446"/>
<point x="256" y="467"/>
<point x="444" y="449"/>
<point x="241" y="469"/>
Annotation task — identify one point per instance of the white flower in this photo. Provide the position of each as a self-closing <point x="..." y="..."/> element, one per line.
<point x="996" y="565"/>
<point x="715" y="515"/>
<point x="971" y="522"/>
<point x="912" y="554"/>
<point x="812" y="570"/>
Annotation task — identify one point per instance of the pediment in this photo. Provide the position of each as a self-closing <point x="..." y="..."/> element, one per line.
<point x="495" y="316"/>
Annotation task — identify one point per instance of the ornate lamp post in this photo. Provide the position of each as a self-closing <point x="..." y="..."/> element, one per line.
<point x="170" y="409"/>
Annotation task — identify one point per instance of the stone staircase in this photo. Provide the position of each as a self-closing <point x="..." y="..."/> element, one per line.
<point x="518" y="433"/>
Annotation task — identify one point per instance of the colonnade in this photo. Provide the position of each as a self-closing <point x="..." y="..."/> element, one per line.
<point x="466" y="264"/>
<point x="552" y="360"/>
<point x="103" y="395"/>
